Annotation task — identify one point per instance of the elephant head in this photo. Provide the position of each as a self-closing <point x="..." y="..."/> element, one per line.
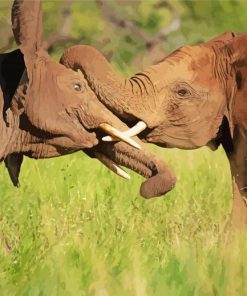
<point x="195" y="96"/>
<point x="50" y="110"/>
<point x="182" y="100"/>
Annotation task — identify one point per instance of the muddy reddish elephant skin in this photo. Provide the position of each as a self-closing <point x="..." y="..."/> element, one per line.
<point x="196" y="96"/>
<point x="49" y="110"/>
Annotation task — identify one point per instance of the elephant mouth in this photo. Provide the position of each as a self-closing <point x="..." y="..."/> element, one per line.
<point x="159" y="177"/>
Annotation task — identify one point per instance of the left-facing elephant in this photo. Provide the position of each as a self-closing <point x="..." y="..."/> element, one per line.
<point x="49" y="110"/>
<point x="194" y="97"/>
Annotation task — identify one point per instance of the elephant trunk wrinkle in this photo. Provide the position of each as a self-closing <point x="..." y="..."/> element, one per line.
<point x="159" y="178"/>
<point x="129" y="157"/>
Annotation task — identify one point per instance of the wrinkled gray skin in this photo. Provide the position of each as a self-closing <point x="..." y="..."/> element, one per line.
<point x="49" y="110"/>
<point x="194" y="97"/>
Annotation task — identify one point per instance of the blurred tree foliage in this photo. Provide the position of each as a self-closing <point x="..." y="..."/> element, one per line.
<point x="131" y="33"/>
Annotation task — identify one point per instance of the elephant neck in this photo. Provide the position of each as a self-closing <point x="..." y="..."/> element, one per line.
<point x="239" y="106"/>
<point x="16" y="140"/>
<point x="9" y="133"/>
<point x="238" y="155"/>
<point x="238" y="165"/>
<point x="13" y="138"/>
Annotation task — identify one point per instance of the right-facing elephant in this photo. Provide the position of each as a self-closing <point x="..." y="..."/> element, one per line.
<point x="196" y="96"/>
<point x="48" y="110"/>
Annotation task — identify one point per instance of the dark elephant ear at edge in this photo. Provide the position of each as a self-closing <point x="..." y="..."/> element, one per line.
<point x="220" y="40"/>
<point x="27" y="27"/>
<point x="13" y="163"/>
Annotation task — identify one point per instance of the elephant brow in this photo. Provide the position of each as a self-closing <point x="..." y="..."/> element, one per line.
<point x="137" y="79"/>
<point x="134" y="79"/>
<point x="148" y="79"/>
<point x="132" y="86"/>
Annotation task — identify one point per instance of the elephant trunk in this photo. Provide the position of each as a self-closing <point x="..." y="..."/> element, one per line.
<point x="159" y="177"/>
<point x="130" y="100"/>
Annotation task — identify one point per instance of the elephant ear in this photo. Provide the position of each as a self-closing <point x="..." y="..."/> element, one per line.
<point x="220" y="40"/>
<point x="233" y="50"/>
<point x="238" y="54"/>
<point x="238" y="50"/>
<point x="27" y="28"/>
<point x="13" y="164"/>
<point x="220" y="46"/>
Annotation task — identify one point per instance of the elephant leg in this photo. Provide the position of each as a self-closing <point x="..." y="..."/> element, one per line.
<point x="239" y="208"/>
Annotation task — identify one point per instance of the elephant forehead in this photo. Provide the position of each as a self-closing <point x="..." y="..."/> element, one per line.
<point x="46" y="68"/>
<point x="203" y="61"/>
<point x="180" y="72"/>
<point x="52" y="77"/>
<point x="58" y="70"/>
<point x="190" y="62"/>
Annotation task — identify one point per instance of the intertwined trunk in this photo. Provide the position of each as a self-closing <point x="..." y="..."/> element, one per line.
<point x="130" y="99"/>
<point x="159" y="177"/>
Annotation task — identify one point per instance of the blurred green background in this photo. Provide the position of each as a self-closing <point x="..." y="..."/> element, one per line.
<point x="74" y="228"/>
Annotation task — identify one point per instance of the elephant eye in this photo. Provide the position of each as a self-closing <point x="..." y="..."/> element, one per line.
<point x="183" y="92"/>
<point x="77" y="86"/>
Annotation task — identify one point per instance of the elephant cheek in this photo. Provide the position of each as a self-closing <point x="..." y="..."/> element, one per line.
<point x="205" y="132"/>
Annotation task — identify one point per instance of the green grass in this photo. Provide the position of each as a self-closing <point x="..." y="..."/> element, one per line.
<point x="74" y="228"/>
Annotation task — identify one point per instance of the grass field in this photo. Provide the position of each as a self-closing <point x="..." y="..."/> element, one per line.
<point x="74" y="228"/>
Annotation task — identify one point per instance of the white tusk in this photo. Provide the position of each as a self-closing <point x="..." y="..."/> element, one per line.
<point x="134" y="131"/>
<point x="121" y="172"/>
<point x="112" y="166"/>
<point x="109" y="139"/>
<point x="119" y="135"/>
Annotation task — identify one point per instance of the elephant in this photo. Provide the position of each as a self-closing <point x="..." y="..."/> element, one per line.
<point x="49" y="110"/>
<point x="194" y="97"/>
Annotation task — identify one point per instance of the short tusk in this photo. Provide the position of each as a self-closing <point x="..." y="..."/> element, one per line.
<point x="121" y="172"/>
<point x="112" y="166"/>
<point x="107" y="128"/>
<point x="134" y="131"/>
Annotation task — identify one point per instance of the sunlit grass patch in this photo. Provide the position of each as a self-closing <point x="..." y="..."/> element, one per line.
<point x="74" y="228"/>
